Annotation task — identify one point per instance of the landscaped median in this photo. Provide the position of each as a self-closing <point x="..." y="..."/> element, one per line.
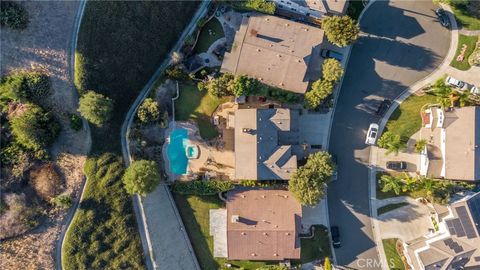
<point x="466" y="46"/>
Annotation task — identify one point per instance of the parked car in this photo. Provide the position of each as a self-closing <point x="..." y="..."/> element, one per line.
<point x="372" y="134"/>
<point x="331" y="54"/>
<point x="454" y="82"/>
<point x="335" y="233"/>
<point x="397" y="165"/>
<point x="443" y="17"/>
<point x="475" y="90"/>
<point x="335" y="172"/>
<point x="382" y="109"/>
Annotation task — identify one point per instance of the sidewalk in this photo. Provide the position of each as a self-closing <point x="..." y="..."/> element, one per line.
<point x="435" y="75"/>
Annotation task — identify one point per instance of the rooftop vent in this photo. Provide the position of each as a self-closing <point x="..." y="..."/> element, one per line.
<point x="253" y="32"/>
<point x="235" y="218"/>
<point x="253" y="254"/>
<point x="243" y="233"/>
<point x="287" y="233"/>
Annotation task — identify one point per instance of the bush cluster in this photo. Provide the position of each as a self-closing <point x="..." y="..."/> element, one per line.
<point x="76" y="122"/>
<point x="332" y="71"/>
<point x="96" y="108"/>
<point x="340" y="30"/>
<point x="199" y="187"/>
<point x="141" y="177"/>
<point x="13" y="15"/>
<point x="24" y="86"/>
<point x="148" y="112"/>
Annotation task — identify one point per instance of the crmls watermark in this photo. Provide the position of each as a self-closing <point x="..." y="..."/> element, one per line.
<point x="373" y="263"/>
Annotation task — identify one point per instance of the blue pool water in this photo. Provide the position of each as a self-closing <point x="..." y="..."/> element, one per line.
<point x="176" y="151"/>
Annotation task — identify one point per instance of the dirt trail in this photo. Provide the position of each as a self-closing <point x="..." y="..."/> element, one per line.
<point x="45" y="46"/>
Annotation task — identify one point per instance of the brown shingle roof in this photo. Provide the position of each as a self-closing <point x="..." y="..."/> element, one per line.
<point x="267" y="227"/>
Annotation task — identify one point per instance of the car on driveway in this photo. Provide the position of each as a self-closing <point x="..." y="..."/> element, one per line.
<point x="335" y="233"/>
<point x="455" y="83"/>
<point x="397" y="165"/>
<point x="372" y="134"/>
<point x="443" y="17"/>
<point x="331" y="54"/>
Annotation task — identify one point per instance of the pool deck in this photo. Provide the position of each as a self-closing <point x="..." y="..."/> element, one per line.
<point x="223" y="161"/>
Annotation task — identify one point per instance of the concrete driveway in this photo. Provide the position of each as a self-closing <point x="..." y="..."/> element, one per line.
<point x="406" y="223"/>
<point x="401" y="43"/>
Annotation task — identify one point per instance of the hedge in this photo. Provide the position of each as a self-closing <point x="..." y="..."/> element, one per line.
<point x="199" y="187"/>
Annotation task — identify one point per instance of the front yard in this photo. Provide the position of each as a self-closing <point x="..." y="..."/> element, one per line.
<point x="393" y="258"/>
<point x="470" y="42"/>
<point x="406" y="120"/>
<point x="198" y="106"/>
<point x="194" y="211"/>
<point x="317" y="247"/>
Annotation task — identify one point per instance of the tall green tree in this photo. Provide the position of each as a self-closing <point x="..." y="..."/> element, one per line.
<point x="221" y="86"/>
<point x="96" y="108"/>
<point x="341" y="31"/>
<point x="319" y="91"/>
<point x="141" y="177"/>
<point x="308" y="183"/>
<point x="332" y="70"/>
<point x="35" y="129"/>
<point x="391" y="183"/>
<point x="149" y="111"/>
<point x="392" y="142"/>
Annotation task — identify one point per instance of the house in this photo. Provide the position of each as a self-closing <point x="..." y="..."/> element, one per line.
<point x="313" y="8"/>
<point x="276" y="51"/>
<point x="453" y="150"/>
<point x="457" y="243"/>
<point x="267" y="143"/>
<point x="259" y="224"/>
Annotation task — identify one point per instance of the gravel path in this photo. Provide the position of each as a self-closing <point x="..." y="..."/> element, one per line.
<point x="46" y="46"/>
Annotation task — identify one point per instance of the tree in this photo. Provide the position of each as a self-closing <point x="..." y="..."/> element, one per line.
<point x="242" y="85"/>
<point x="392" y="142"/>
<point x="340" y="31"/>
<point x="24" y="87"/>
<point x="264" y="6"/>
<point x="96" y="108"/>
<point x="35" y="129"/>
<point x="332" y="70"/>
<point x="327" y="265"/>
<point x="308" y="183"/>
<point x="420" y="145"/>
<point x="13" y="15"/>
<point x="320" y="90"/>
<point x="391" y="183"/>
<point x="149" y="111"/>
<point x="141" y="177"/>
<point x="221" y="86"/>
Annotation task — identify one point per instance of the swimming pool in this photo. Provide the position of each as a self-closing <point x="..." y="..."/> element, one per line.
<point x="176" y="151"/>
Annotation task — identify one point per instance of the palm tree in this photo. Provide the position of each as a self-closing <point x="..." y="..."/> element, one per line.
<point x="391" y="183"/>
<point x="410" y="182"/>
<point x="428" y="184"/>
<point x="463" y="98"/>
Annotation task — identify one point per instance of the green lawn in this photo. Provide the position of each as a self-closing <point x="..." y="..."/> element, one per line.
<point x="205" y="40"/>
<point x="389" y="194"/>
<point x="470" y="41"/>
<point x="390" y="207"/>
<point x="393" y="258"/>
<point x="317" y="247"/>
<point x="198" y="106"/>
<point x="120" y="45"/>
<point x="194" y="211"/>
<point x="466" y="19"/>
<point x="406" y="119"/>
<point x="103" y="233"/>
<point x="355" y="7"/>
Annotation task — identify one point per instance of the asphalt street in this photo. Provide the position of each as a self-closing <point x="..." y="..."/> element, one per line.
<point x="401" y="42"/>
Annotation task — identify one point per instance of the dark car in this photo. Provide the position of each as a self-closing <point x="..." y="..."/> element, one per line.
<point x="335" y="172"/>
<point x="335" y="232"/>
<point x="397" y="165"/>
<point x="443" y="17"/>
<point x="382" y="109"/>
<point x="331" y="54"/>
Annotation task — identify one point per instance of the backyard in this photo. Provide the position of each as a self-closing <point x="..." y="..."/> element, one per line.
<point x="393" y="258"/>
<point x="194" y="211"/>
<point x="470" y="42"/>
<point x="198" y="106"/>
<point x="405" y="120"/>
<point x="211" y="32"/>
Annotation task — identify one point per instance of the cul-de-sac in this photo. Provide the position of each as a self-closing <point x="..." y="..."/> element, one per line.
<point x="240" y="134"/>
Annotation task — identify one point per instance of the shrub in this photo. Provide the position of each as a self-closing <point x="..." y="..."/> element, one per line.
<point x="18" y="216"/>
<point x="391" y="142"/>
<point x="199" y="187"/>
<point x="63" y="201"/>
<point x="15" y="155"/>
<point x="308" y="183"/>
<point x="35" y="129"/>
<point x="340" y="31"/>
<point x="149" y="111"/>
<point x="141" y="177"/>
<point x="221" y="86"/>
<point x="420" y="145"/>
<point x="76" y="122"/>
<point x="242" y="85"/>
<point x="176" y="73"/>
<point x="96" y="108"/>
<point x="332" y="70"/>
<point x="25" y="86"/>
<point x="320" y="90"/>
<point x="46" y="181"/>
<point x="263" y="6"/>
<point x="13" y="15"/>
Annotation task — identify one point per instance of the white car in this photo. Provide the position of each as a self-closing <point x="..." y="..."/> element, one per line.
<point x="372" y="134"/>
<point x="475" y="90"/>
<point x="454" y="82"/>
